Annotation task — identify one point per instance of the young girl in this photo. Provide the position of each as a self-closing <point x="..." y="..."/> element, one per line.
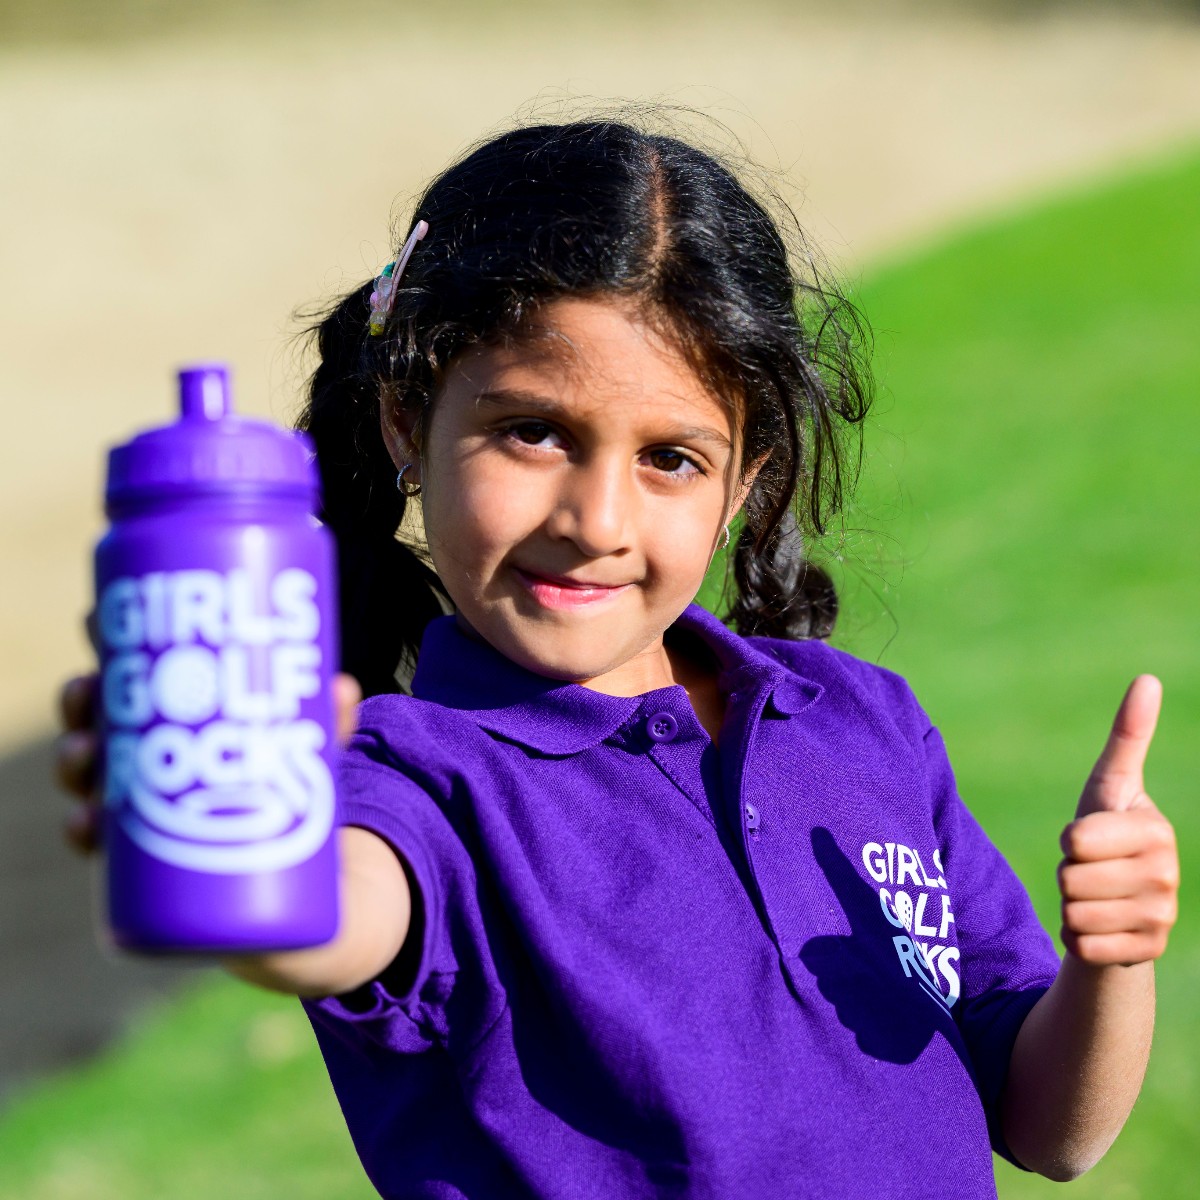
<point x="636" y="904"/>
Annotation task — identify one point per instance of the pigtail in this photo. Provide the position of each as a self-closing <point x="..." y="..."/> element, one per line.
<point x="808" y="424"/>
<point x="387" y="595"/>
<point x="780" y="593"/>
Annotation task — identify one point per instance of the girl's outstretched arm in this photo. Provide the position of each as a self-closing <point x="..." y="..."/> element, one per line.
<point x="376" y="907"/>
<point x="1081" y="1054"/>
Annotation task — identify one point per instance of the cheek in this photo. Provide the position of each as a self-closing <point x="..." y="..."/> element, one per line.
<point x="475" y="507"/>
<point x="680" y="543"/>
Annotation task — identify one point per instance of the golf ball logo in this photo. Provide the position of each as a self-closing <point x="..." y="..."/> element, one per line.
<point x="210" y="765"/>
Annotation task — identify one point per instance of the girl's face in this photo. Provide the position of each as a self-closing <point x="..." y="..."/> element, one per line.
<point x="574" y="492"/>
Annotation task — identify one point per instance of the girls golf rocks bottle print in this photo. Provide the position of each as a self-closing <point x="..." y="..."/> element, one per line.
<point x="216" y="624"/>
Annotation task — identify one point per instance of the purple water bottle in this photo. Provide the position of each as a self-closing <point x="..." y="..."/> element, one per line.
<point x="216" y="623"/>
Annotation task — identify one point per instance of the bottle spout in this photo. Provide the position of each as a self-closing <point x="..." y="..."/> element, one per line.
<point x="204" y="392"/>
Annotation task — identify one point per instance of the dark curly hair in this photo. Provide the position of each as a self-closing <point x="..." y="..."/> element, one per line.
<point x="594" y="208"/>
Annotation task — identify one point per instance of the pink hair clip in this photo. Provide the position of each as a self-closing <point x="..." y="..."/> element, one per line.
<point x="388" y="283"/>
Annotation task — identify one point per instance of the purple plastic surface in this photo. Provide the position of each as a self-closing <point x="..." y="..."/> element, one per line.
<point x="216" y="608"/>
<point x="204" y="392"/>
<point x="211" y="451"/>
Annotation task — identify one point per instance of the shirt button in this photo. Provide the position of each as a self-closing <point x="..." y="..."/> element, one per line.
<point x="662" y="727"/>
<point x="751" y="817"/>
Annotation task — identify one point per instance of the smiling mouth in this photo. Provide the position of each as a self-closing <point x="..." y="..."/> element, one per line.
<point x="560" y="593"/>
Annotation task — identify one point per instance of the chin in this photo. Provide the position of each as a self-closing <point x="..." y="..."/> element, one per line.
<point x="560" y="662"/>
<point x="572" y="647"/>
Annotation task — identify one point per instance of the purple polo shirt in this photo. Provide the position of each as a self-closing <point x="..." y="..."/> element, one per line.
<point x="645" y="967"/>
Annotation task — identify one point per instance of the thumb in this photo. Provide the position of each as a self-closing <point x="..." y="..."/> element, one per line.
<point x="1116" y="780"/>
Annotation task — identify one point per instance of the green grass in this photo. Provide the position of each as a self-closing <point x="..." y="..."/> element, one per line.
<point x="221" y="1094"/>
<point x="1029" y="538"/>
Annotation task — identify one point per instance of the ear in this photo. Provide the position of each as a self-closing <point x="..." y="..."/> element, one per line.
<point x="398" y="427"/>
<point x="745" y="484"/>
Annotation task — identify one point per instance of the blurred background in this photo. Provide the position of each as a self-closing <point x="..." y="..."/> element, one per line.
<point x="1013" y="192"/>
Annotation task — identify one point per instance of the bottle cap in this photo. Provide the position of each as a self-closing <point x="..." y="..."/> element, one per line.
<point x="212" y="451"/>
<point x="204" y="392"/>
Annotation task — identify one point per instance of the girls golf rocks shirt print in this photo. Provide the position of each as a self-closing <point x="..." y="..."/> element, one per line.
<point x="642" y="968"/>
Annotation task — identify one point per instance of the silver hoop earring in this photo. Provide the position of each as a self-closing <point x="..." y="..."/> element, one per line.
<point x="725" y="543"/>
<point x="407" y="489"/>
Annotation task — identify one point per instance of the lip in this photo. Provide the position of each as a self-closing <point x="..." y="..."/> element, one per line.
<point x="558" y="592"/>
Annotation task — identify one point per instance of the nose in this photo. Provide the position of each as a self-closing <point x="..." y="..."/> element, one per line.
<point x="595" y="507"/>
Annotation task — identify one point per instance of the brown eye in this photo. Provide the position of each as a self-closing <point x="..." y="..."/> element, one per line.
<point x="672" y="462"/>
<point x="531" y="433"/>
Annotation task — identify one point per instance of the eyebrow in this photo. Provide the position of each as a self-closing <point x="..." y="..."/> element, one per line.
<point x="532" y="401"/>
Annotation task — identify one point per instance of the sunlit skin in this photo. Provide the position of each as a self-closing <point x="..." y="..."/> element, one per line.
<point x="590" y="453"/>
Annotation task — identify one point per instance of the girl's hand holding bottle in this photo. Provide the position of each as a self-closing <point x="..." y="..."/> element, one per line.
<point x="375" y="899"/>
<point x="75" y="755"/>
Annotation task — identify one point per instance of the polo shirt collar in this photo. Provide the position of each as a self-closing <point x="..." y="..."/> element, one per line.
<point x="559" y="718"/>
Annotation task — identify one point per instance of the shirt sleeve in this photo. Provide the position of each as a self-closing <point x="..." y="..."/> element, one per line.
<point x="1007" y="959"/>
<point x="404" y="1008"/>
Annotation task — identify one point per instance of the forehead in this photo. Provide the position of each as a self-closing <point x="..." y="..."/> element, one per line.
<point x="596" y="353"/>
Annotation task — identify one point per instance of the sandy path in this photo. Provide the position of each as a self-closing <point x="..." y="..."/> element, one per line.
<point x="175" y="201"/>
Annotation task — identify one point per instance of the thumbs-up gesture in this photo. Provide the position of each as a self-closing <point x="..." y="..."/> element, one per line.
<point x="1120" y="875"/>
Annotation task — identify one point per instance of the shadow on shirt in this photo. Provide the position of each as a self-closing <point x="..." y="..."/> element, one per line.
<point x="890" y="1014"/>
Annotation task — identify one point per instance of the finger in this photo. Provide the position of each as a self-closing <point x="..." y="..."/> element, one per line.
<point x="82" y="829"/>
<point x="91" y="626"/>
<point x="77" y="702"/>
<point x="1108" y="880"/>
<point x="1113" y="949"/>
<point x="1105" y="835"/>
<point x="347" y="695"/>
<point x="1119" y="916"/>
<point x="75" y="762"/>
<point x="1124" y="754"/>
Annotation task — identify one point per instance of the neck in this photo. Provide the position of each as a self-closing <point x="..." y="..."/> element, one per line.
<point x="679" y="659"/>
<point x="647" y="670"/>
